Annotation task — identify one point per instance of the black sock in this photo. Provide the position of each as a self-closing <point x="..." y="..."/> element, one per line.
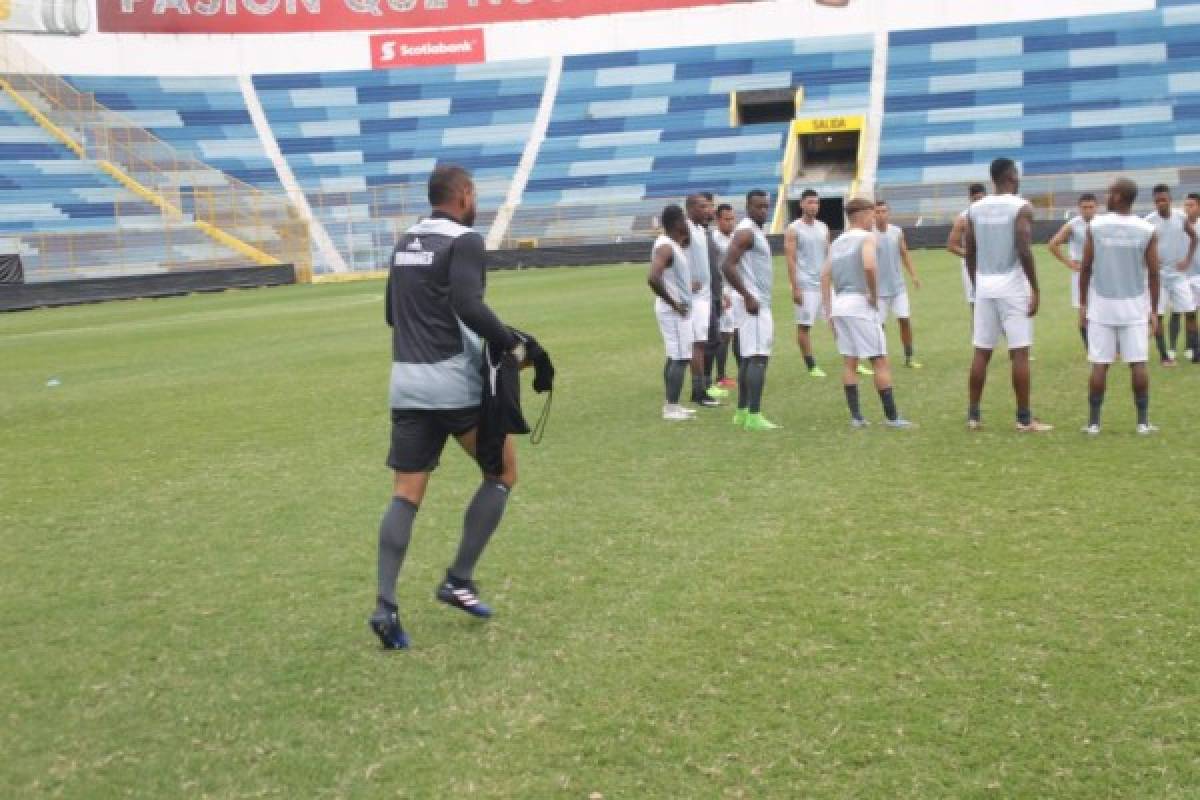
<point x="756" y="379"/>
<point x="1083" y="333"/>
<point x="973" y="413"/>
<point x="479" y="523"/>
<point x="810" y="362"/>
<point x="889" y="403"/>
<point x="395" y="532"/>
<point x="674" y="379"/>
<point x="908" y="353"/>
<point x="1142" y="401"/>
<point x="710" y="360"/>
<point x="1160" y="339"/>
<point x="1173" y="329"/>
<point x="698" y="387"/>
<point x="1095" y="401"/>
<point x="743" y="392"/>
<point x="1024" y="416"/>
<point x="1193" y="343"/>
<point x="722" y="358"/>
<point x="851" y="391"/>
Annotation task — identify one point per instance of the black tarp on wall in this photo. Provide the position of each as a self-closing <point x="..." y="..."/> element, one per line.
<point x="11" y="270"/>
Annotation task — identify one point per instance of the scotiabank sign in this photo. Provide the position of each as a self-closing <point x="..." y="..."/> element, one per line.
<point x="391" y="50"/>
<point x="307" y="16"/>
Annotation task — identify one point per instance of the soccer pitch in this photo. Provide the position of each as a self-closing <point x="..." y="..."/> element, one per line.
<point x="684" y="610"/>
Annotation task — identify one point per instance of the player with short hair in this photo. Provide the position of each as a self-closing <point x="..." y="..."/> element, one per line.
<point x="748" y="268"/>
<point x="999" y="244"/>
<point x="891" y="251"/>
<point x="805" y="246"/>
<point x="1191" y="207"/>
<point x="721" y="236"/>
<point x="1176" y="249"/>
<point x="440" y="324"/>
<point x="849" y="288"/>
<point x="955" y="244"/>
<point x="1073" y="234"/>
<point x="670" y="279"/>
<point x="1120" y="264"/>
<point x="699" y="213"/>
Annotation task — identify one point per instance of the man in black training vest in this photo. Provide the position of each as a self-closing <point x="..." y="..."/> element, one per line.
<point x="439" y="326"/>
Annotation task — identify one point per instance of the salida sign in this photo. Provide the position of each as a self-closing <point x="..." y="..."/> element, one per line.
<point x="308" y="16"/>
<point x="392" y="50"/>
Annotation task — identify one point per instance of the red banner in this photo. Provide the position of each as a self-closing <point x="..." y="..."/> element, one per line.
<point x="394" y="50"/>
<point x="308" y="16"/>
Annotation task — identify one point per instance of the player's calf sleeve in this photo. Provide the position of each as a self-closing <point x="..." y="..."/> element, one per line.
<point x="851" y="391"/>
<point x="1160" y="340"/>
<point x="1173" y="329"/>
<point x="722" y="357"/>
<point x="888" y="399"/>
<point x="1095" y="403"/>
<point x="674" y="379"/>
<point x="756" y="380"/>
<point x="479" y="523"/>
<point x="1142" y="402"/>
<point x="699" y="384"/>
<point x="395" y="532"/>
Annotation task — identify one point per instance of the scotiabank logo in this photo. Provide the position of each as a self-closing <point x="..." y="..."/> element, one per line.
<point x="389" y="51"/>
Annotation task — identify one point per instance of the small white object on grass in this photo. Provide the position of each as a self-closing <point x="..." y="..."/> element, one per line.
<point x="53" y="382"/>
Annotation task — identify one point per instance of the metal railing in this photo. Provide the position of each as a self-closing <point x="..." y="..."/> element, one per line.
<point x="181" y="188"/>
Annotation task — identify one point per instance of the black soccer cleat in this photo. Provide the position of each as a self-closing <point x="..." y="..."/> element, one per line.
<point x="386" y="625"/>
<point x="463" y="595"/>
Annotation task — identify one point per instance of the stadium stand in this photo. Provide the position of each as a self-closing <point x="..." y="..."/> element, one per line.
<point x="632" y="128"/>
<point x="1075" y="100"/>
<point x="361" y="144"/>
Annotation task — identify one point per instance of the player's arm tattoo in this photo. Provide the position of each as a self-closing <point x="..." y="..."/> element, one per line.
<point x="1153" y="279"/>
<point x="1025" y="246"/>
<point x="742" y="241"/>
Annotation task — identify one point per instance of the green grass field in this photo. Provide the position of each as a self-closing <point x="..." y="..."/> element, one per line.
<point x="684" y="611"/>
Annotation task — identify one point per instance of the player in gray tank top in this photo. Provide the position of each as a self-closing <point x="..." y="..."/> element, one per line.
<point x="1176" y="248"/>
<point x="1191" y="207"/>
<point x="1073" y="233"/>
<point x="1120" y="263"/>
<point x="806" y="244"/>
<point x="749" y="270"/>
<point x="1001" y="266"/>
<point x="893" y="248"/>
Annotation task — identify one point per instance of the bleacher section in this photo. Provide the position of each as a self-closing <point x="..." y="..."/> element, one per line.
<point x="361" y="144"/>
<point x="205" y="118"/>
<point x="1074" y="100"/>
<point x="631" y="130"/>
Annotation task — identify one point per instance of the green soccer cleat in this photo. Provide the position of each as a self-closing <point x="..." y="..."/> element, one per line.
<point x="863" y="369"/>
<point x="817" y="372"/>
<point x="716" y="393"/>
<point x="757" y="422"/>
<point x="739" y="417"/>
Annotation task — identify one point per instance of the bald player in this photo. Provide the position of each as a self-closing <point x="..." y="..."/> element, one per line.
<point x="748" y="268"/>
<point x="850" y="289"/>
<point x="956" y="243"/>
<point x="999" y="243"/>
<point x="1120" y="265"/>
<point x="805" y="246"/>
<point x="1073" y="234"/>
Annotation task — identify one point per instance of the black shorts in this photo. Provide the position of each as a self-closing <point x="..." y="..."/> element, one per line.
<point x="419" y="436"/>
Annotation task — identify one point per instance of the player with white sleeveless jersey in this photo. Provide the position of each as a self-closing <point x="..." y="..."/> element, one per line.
<point x="1120" y="266"/>
<point x="999" y="245"/>
<point x="805" y="246"/>
<point x="670" y="280"/>
<point x="722" y="235"/>
<point x="1191" y="207"/>
<point x="749" y="269"/>
<point x="700" y="254"/>
<point x="1176" y="248"/>
<point x="955" y="244"/>
<point x="1073" y="233"/>
<point x="891" y="252"/>
<point x="849" y="289"/>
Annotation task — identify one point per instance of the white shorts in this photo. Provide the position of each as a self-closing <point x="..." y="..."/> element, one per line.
<point x="859" y="337"/>
<point x="676" y="332"/>
<point x="813" y="310"/>
<point x="895" y="306"/>
<point x="1003" y="316"/>
<point x="700" y="316"/>
<point x="756" y="332"/>
<point x="1074" y="290"/>
<point x="1194" y="282"/>
<point x="1177" y="294"/>
<point x="968" y="289"/>
<point x="1131" y="341"/>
